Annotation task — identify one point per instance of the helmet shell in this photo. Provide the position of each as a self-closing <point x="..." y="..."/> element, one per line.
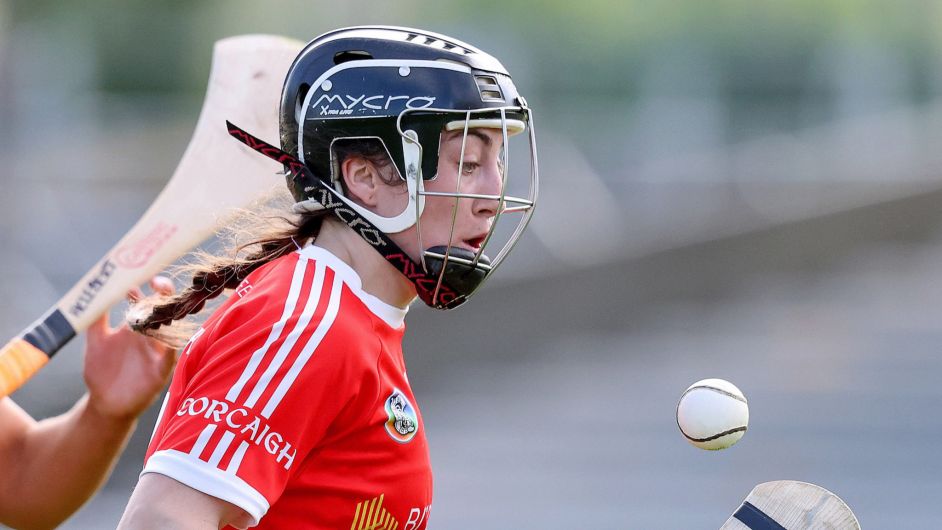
<point x="379" y="82"/>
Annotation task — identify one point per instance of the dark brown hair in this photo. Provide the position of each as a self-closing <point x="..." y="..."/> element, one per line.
<point x="252" y="238"/>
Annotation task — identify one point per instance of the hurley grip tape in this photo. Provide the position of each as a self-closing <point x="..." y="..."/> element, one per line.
<point x="19" y="360"/>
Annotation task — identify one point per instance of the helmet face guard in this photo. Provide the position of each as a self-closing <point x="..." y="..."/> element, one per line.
<point x="405" y="89"/>
<point x="467" y="269"/>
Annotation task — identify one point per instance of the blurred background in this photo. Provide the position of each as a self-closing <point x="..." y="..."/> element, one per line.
<point x="744" y="190"/>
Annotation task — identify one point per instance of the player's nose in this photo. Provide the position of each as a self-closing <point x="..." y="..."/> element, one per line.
<point x="489" y="184"/>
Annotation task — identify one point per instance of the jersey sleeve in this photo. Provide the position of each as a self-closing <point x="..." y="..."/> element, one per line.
<point x="257" y="391"/>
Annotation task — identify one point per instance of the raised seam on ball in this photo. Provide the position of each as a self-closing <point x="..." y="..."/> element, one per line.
<point x="713" y="388"/>
<point x="715" y="436"/>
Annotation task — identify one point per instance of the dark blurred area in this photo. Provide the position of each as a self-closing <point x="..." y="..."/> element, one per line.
<point x="743" y="190"/>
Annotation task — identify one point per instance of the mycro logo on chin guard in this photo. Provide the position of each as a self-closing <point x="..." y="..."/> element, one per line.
<point x="402" y="422"/>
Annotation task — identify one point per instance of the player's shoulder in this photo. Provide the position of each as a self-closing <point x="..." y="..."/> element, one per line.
<point x="274" y="277"/>
<point x="352" y="328"/>
<point x="356" y="306"/>
<point x="257" y="299"/>
<point x="315" y="298"/>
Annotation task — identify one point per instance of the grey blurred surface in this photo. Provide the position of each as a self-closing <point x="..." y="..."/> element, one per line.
<point x="739" y="190"/>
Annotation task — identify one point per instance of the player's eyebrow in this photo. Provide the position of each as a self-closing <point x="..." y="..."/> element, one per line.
<point x="450" y="135"/>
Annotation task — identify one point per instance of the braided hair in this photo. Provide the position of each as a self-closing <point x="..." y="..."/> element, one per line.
<point x="269" y="238"/>
<point x="270" y="234"/>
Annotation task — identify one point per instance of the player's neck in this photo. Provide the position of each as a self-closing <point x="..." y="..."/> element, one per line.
<point x="378" y="276"/>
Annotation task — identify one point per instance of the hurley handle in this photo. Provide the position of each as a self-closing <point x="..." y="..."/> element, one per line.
<point x="19" y="360"/>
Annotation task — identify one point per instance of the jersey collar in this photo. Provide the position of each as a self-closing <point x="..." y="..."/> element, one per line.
<point x="392" y="315"/>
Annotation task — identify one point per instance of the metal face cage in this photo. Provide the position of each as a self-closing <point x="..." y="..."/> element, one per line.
<point x="517" y="195"/>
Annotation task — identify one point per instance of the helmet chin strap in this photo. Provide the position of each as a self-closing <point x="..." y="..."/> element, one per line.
<point x="437" y="291"/>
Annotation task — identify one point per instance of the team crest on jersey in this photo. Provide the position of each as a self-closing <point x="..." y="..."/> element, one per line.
<point x="403" y="421"/>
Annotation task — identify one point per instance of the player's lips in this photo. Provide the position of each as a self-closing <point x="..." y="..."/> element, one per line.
<point x="475" y="243"/>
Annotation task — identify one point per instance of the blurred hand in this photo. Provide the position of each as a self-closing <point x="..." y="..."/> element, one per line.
<point x="124" y="371"/>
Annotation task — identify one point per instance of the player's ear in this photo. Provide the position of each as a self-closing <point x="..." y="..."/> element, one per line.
<point x="361" y="178"/>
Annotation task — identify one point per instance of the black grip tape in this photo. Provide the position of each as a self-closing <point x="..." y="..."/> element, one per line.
<point x="50" y="333"/>
<point x="755" y="518"/>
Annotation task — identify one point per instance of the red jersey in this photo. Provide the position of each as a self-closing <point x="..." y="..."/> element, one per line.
<point x="292" y="402"/>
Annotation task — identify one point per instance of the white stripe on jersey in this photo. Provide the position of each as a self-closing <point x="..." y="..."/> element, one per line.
<point x="290" y="342"/>
<point x="326" y="322"/>
<point x="203" y="440"/>
<point x="306" y="315"/>
<point x="221" y="448"/>
<point x="236" y="460"/>
<point x="297" y="280"/>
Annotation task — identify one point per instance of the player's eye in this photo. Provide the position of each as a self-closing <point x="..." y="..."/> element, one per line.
<point x="468" y="168"/>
